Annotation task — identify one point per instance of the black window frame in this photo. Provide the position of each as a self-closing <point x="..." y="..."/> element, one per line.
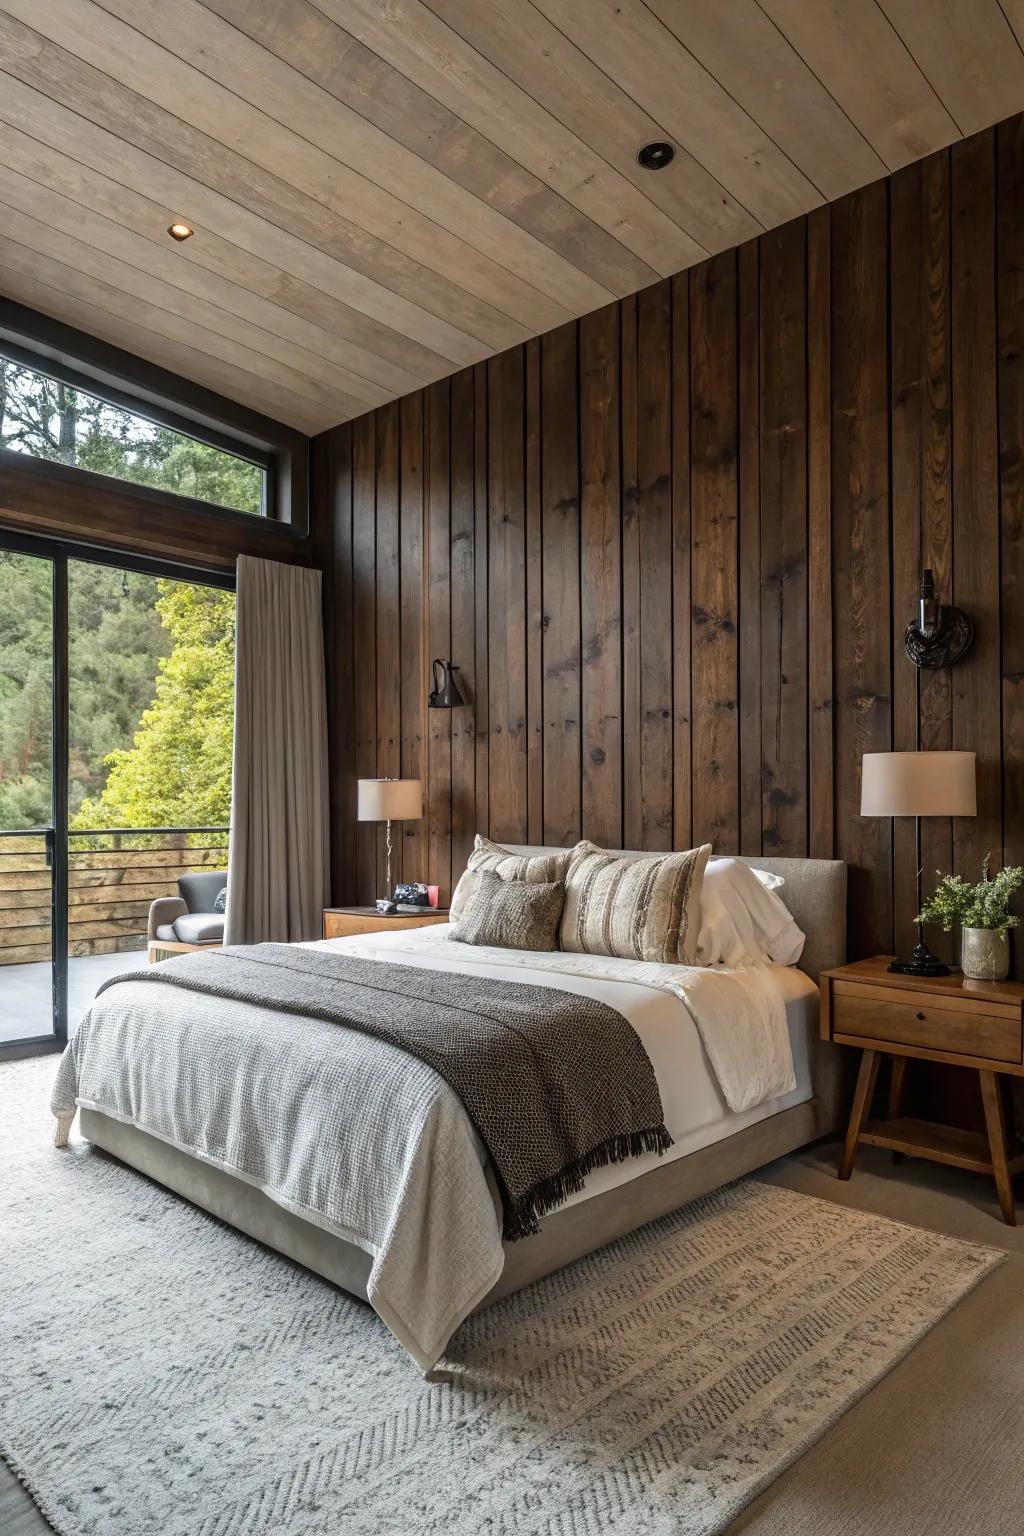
<point x="120" y="379"/>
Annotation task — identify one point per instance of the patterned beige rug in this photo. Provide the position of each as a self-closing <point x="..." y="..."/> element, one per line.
<point x="162" y="1374"/>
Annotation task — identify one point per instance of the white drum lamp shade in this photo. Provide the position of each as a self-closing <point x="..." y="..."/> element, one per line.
<point x="918" y="784"/>
<point x="389" y="800"/>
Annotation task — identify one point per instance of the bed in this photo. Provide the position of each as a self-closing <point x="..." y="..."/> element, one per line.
<point x="712" y="1143"/>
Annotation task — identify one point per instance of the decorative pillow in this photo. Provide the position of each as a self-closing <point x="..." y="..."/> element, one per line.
<point x="536" y="870"/>
<point x="511" y="914"/>
<point x="221" y="902"/>
<point x="637" y="908"/>
<point x="742" y="919"/>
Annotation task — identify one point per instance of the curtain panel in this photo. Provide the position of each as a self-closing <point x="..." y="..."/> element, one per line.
<point x="279" y="844"/>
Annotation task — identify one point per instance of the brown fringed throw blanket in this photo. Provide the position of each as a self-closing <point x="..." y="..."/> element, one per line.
<point x="555" y="1084"/>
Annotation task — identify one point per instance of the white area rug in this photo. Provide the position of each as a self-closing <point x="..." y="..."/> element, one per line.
<point x="163" y="1374"/>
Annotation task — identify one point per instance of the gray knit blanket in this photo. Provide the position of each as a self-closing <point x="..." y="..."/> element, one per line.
<point x="556" y="1084"/>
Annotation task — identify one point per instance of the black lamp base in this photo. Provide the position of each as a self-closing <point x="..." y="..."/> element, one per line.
<point x="921" y="963"/>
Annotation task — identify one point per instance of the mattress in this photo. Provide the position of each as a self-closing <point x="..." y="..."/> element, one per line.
<point x="696" y="1113"/>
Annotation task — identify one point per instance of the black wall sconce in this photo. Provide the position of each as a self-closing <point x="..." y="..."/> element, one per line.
<point x="445" y="692"/>
<point x="940" y="635"/>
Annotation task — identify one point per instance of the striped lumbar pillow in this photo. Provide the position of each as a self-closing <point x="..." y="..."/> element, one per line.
<point x="541" y="869"/>
<point x="635" y="908"/>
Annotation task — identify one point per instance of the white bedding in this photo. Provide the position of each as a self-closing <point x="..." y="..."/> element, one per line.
<point x="368" y="1142"/>
<point x="697" y="1113"/>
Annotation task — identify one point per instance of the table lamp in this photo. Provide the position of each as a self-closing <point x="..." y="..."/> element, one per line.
<point x="918" y="784"/>
<point x="389" y="800"/>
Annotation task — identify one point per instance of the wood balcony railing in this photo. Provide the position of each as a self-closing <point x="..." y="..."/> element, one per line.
<point x="112" y="878"/>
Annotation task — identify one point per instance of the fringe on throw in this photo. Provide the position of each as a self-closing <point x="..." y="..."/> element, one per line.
<point x="63" y="1131"/>
<point x="522" y="1216"/>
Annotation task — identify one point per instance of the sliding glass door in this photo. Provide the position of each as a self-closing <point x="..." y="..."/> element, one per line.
<point x="116" y="718"/>
<point x="33" y="798"/>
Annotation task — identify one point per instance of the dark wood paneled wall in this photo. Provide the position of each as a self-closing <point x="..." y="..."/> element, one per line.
<point x="673" y="548"/>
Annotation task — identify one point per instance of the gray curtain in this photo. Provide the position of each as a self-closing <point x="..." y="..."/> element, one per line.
<point x="278" y="855"/>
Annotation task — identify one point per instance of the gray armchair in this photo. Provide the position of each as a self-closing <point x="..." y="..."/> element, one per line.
<point x="189" y="917"/>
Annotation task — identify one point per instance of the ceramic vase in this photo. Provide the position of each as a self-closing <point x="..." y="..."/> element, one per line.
<point x="985" y="954"/>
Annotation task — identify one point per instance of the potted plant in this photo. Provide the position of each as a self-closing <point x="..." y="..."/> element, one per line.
<point x="983" y="912"/>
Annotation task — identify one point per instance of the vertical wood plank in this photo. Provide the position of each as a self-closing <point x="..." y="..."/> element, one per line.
<point x="389" y="676"/>
<point x="632" y="819"/>
<point x="654" y="465"/>
<point x="784" y="539"/>
<point x="713" y="491"/>
<point x="749" y="641"/>
<point x="481" y="546"/>
<point x="507" y="599"/>
<point x="535" y="727"/>
<point x="439" y="635"/>
<point x="560" y="546"/>
<point x="364" y="635"/>
<point x="977" y="701"/>
<point x="682" y="746"/>
<point x="1010" y="278"/>
<point x="820" y="683"/>
<point x="331" y="482"/>
<point x="861" y="553"/>
<point x="463" y="618"/>
<point x="412" y="835"/>
<point x="921" y="507"/>
<point x="601" y="578"/>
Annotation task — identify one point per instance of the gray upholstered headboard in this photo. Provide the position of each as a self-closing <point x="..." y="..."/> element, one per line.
<point x="815" y="893"/>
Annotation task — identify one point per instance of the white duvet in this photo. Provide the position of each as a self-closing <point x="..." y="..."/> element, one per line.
<point x="405" y="1177"/>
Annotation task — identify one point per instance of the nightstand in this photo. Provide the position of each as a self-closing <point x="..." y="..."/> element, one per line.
<point x="343" y="922"/>
<point x="975" y="1024"/>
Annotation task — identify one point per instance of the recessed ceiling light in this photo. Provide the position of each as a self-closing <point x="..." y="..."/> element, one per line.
<point x="655" y="157"/>
<point x="180" y="231"/>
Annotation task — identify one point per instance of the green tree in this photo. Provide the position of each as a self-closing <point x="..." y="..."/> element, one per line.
<point x="52" y="421"/>
<point x="178" y="771"/>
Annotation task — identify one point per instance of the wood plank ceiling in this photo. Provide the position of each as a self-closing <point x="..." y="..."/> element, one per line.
<point x="384" y="191"/>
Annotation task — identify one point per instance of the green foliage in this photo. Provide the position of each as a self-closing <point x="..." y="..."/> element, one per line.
<point x="150" y="663"/>
<point x="51" y="421"/>
<point x="178" y="770"/>
<point x="151" y="698"/>
<point x="985" y="905"/>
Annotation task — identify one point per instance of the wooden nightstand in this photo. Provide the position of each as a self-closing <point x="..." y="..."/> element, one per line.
<point x="343" y="922"/>
<point x="977" y="1024"/>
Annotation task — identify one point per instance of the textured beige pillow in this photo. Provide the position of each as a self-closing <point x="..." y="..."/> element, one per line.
<point x="511" y="914"/>
<point x="636" y="908"/>
<point x="538" y="870"/>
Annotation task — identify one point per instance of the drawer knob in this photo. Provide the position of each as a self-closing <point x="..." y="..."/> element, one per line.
<point x="920" y="1015"/>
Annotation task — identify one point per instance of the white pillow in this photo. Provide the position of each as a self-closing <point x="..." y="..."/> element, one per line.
<point x="742" y="920"/>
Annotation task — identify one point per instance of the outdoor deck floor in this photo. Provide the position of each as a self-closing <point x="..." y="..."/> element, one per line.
<point x="25" y="991"/>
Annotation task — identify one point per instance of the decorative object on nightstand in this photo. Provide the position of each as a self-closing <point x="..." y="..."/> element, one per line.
<point x="983" y="913"/>
<point x="389" y="800"/>
<point x="973" y="1024"/>
<point x="344" y="922"/>
<point x="918" y="784"/>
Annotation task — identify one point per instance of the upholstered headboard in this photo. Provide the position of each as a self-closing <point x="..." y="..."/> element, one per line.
<point x="815" y="893"/>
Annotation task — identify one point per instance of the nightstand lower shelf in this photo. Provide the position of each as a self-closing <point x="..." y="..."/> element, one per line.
<point x="939" y="1143"/>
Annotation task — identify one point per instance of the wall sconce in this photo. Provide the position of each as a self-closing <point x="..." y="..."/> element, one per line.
<point x="940" y="635"/>
<point x="445" y="693"/>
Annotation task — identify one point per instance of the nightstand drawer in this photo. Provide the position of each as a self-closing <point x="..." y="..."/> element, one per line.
<point x="875" y="1014"/>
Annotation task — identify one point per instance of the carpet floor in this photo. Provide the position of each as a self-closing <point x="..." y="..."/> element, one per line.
<point x="162" y="1373"/>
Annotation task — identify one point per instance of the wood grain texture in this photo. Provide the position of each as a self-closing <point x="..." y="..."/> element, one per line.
<point x="384" y="194"/>
<point x="680" y="569"/>
<point x="860" y="550"/>
<point x="560" y="565"/>
<point x="714" y="571"/>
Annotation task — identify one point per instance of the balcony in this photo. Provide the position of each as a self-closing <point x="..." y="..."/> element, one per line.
<point x="112" y="878"/>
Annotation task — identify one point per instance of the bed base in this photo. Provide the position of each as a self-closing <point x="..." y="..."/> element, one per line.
<point x="567" y="1234"/>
